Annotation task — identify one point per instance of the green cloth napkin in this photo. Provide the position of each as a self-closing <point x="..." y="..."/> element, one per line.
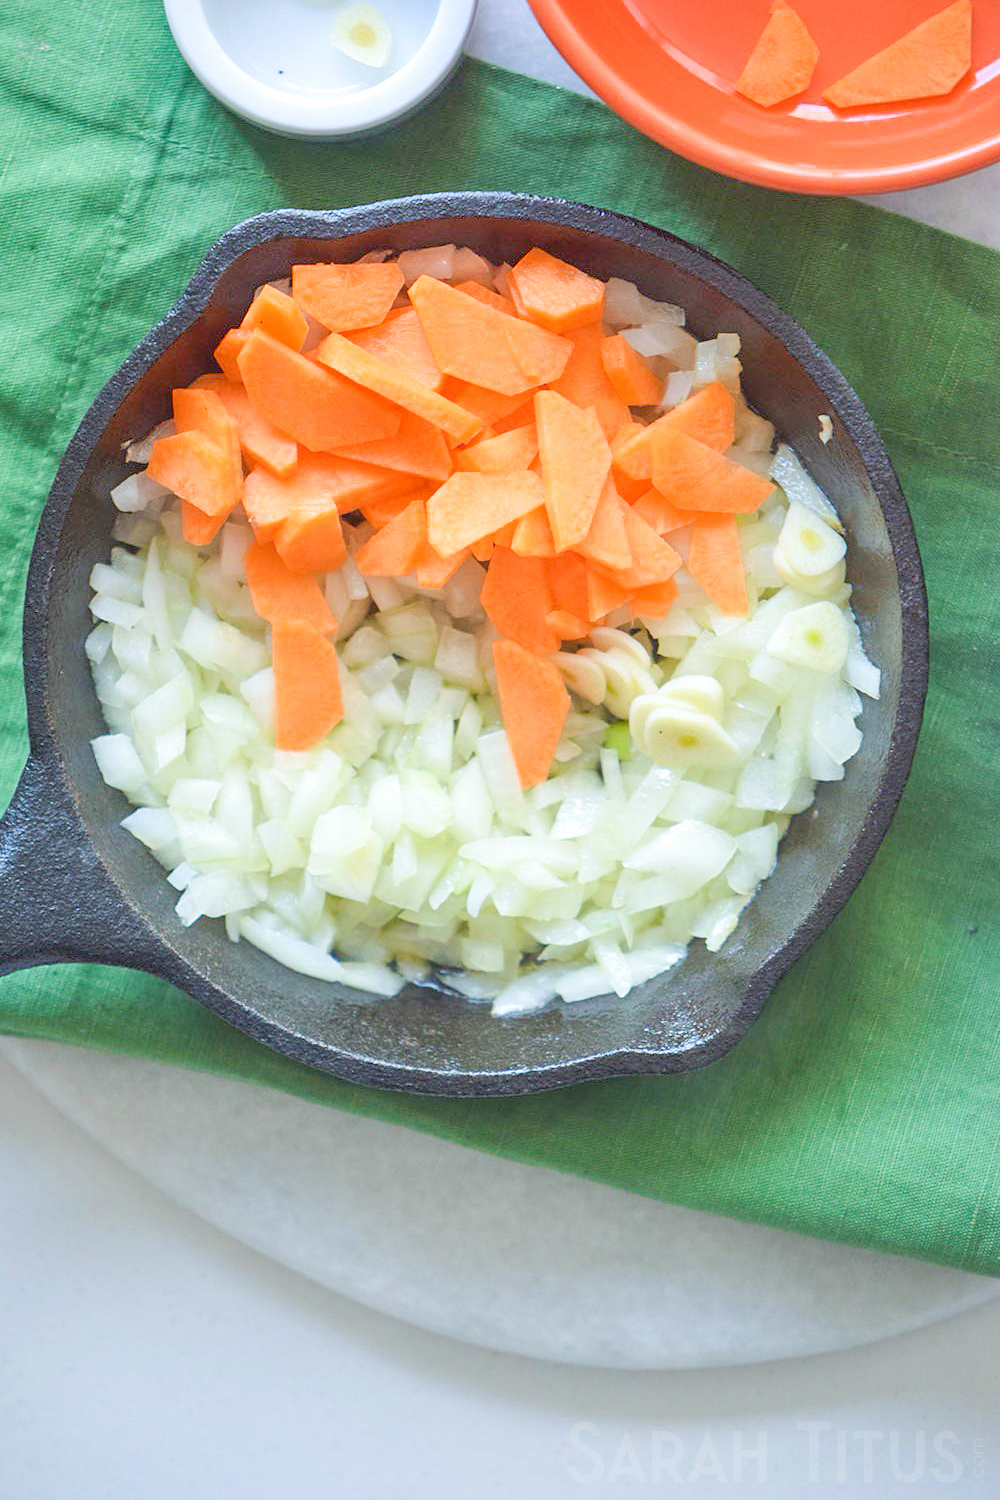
<point x="864" y="1105"/>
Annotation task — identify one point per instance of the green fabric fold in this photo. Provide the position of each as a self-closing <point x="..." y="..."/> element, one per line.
<point x="864" y="1105"/>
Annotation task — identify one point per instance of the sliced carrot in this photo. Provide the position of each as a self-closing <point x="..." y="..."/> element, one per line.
<point x="489" y="406"/>
<point x="660" y="514"/>
<point x="343" y="297"/>
<point x="555" y="294"/>
<point x="605" y="592"/>
<point x="656" y="601"/>
<point x="228" y="350"/>
<point x="516" y="599"/>
<point x="521" y="416"/>
<point x="534" y="704"/>
<point x="367" y="370"/>
<point x="928" y="61"/>
<point x="197" y="470"/>
<point x="585" y="382"/>
<point x="629" y="373"/>
<point x="716" y="562"/>
<point x="653" y="559"/>
<point x="606" y="542"/>
<point x="568" y="577"/>
<point x="480" y="344"/>
<point x="399" y="340"/>
<point x="433" y="572"/>
<point x="379" y="510"/>
<point x="533" y="535"/>
<point x="576" y="461"/>
<point x="319" y="479"/>
<point x="308" y="701"/>
<point x="262" y="443"/>
<point x="782" y="62"/>
<point x="469" y="507"/>
<point x="482" y="550"/>
<point x="487" y="296"/>
<point x="278" y="594"/>
<point x="199" y="529"/>
<point x="417" y="448"/>
<point x="566" y="626"/>
<point x="694" y="477"/>
<point x="317" y="407"/>
<point x="395" y="551"/>
<point x="311" y="540"/>
<point x="274" y="313"/>
<point x="512" y="450"/>
<point x="709" y="415"/>
<point x="199" y="410"/>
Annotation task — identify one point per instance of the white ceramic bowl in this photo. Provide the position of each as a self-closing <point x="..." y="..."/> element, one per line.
<point x="272" y="61"/>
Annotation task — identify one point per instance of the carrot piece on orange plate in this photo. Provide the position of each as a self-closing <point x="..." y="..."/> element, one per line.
<point x="316" y="406"/>
<point x="278" y="594"/>
<point x="534" y="705"/>
<point x="607" y="542"/>
<point x="505" y="453"/>
<point x="308" y="701"/>
<point x="399" y="340"/>
<point x="516" y="599"/>
<point x="275" y="313"/>
<point x="311" y="540"/>
<point x="925" y="63"/>
<point x="553" y="293"/>
<point x="470" y="507"/>
<point x="585" y="381"/>
<point x="716" y="562"/>
<point x="395" y="550"/>
<point x="477" y="343"/>
<point x="318" y="479"/>
<point x="343" y="297"/>
<point x="695" y="477"/>
<point x="198" y="471"/>
<point x="576" y="461"/>
<point x="396" y="385"/>
<point x="629" y="373"/>
<point x="782" y="62"/>
<point x="417" y="448"/>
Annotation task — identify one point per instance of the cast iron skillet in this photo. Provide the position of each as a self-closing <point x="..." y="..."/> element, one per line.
<point x="75" y="887"/>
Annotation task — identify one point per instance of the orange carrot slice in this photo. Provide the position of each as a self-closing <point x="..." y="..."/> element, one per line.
<point x="379" y="510"/>
<point x="477" y="343"/>
<point x="278" y="594"/>
<point x="469" y="507"/>
<point x="783" y="61"/>
<point x="319" y="479"/>
<point x="311" y="540"/>
<point x="274" y="313"/>
<point x="660" y="514"/>
<point x="516" y="599"/>
<point x="489" y="406"/>
<point x="716" y="562"/>
<point x="656" y="601"/>
<point x="693" y="476"/>
<point x="576" y="461"/>
<point x="533" y="535"/>
<point x="534" y="704"/>
<point x="199" y="529"/>
<point x="338" y="353"/>
<point x="317" y="407"/>
<point x="399" y="340"/>
<point x="308" y="701"/>
<point x="585" y="381"/>
<point x="198" y="471"/>
<point x="521" y="416"/>
<point x="925" y="63"/>
<point x="568" y="576"/>
<point x="261" y="442"/>
<point x="433" y="572"/>
<point x="607" y="542"/>
<point x="417" y="448"/>
<point x="554" y="294"/>
<point x="605" y="592"/>
<point x="509" y="451"/>
<point x="343" y="297"/>
<point x="228" y="350"/>
<point x="487" y="296"/>
<point x="629" y="373"/>
<point x="395" y="551"/>
<point x="566" y="626"/>
<point x="654" y="561"/>
<point x="709" y="415"/>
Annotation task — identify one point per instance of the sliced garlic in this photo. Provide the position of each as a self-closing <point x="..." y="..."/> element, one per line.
<point x="821" y="585"/>
<point x="606" y="639"/>
<point x="673" y="735"/>
<point x="362" y="32"/>
<point x="808" y="543"/>
<point x="815" y="637"/>
<point x="703" y="694"/>
<point x="581" y="676"/>
<point x="624" y="678"/>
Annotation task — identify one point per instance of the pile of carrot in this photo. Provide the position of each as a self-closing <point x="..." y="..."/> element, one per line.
<point x="460" y="422"/>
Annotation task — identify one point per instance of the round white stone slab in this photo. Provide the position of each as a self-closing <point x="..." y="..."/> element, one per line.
<point x="496" y="1254"/>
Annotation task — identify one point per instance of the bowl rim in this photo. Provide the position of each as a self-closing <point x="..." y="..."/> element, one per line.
<point x="637" y="1055"/>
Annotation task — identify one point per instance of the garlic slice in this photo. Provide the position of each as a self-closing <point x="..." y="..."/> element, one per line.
<point x="815" y="637"/>
<point x="810" y="546"/>
<point x="362" y="32"/>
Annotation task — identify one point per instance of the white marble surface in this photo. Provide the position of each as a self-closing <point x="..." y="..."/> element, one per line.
<point x="143" y="1353"/>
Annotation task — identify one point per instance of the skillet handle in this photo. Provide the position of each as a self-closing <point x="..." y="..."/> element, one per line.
<point x="58" y="903"/>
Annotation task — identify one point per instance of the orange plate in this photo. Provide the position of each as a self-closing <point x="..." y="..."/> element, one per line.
<point x="668" y="67"/>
